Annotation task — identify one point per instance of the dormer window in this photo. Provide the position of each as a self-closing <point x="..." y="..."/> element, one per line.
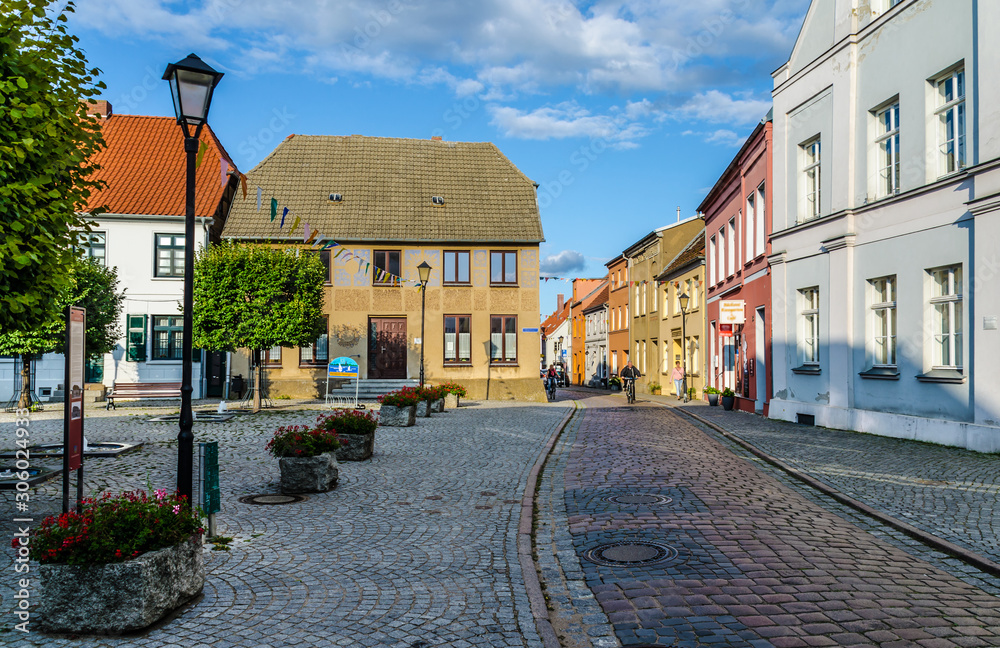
<point x="336" y="197"/>
<point x="437" y="200"/>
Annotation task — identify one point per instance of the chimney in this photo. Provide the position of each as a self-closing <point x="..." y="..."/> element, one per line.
<point x="436" y="138"/>
<point x="99" y="108"/>
<point x="560" y="303"/>
<point x="678" y="214"/>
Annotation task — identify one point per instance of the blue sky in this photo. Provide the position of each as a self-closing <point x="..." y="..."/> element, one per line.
<point x="621" y="110"/>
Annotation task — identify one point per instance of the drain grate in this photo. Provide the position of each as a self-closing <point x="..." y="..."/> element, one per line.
<point x="626" y="554"/>
<point x="638" y="498"/>
<point x="272" y="499"/>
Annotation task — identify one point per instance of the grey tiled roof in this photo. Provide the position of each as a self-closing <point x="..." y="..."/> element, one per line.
<point x="387" y="185"/>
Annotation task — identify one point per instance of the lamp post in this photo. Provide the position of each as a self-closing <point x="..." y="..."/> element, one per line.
<point x="192" y="83"/>
<point x="424" y="270"/>
<point x="683" y="300"/>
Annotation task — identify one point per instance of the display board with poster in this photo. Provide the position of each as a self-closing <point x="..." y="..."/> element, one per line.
<point x="76" y="326"/>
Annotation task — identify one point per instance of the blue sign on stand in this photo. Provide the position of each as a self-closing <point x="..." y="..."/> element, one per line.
<point x="342" y="367"/>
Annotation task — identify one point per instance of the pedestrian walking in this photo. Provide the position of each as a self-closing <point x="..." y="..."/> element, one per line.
<point x="677" y="375"/>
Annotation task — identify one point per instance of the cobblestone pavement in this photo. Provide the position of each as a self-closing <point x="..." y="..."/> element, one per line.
<point x="415" y="548"/>
<point x="758" y="562"/>
<point x="948" y="492"/>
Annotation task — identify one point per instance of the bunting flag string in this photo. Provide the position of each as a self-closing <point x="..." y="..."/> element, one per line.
<point x="312" y="235"/>
<point x="223" y="172"/>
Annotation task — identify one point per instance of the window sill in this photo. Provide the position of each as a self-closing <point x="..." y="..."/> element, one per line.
<point x="457" y="284"/>
<point x="503" y="285"/>
<point x="495" y="363"/>
<point x="457" y="364"/>
<point x="954" y="376"/>
<point x="808" y="370"/>
<point x="881" y="373"/>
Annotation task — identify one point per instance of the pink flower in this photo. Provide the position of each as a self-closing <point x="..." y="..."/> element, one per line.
<point x="161" y="493"/>
<point x="177" y="509"/>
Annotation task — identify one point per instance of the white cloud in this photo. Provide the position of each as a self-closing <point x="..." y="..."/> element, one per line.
<point x="718" y="107"/>
<point x="566" y="120"/>
<point x="722" y="137"/>
<point x="567" y="261"/>
<point x="616" y="46"/>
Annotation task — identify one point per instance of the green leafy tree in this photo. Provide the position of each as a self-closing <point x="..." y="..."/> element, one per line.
<point x="46" y="143"/>
<point x="254" y="297"/>
<point x="89" y="285"/>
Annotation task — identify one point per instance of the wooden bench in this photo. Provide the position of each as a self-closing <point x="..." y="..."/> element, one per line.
<point x="143" y="390"/>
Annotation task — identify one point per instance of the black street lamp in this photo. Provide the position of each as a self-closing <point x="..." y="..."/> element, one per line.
<point x="683" y="300"/>
<point x="424" y="270"/>
<point x="192" y="83"/>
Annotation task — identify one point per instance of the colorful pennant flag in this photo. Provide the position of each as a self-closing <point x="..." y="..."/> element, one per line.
<point x="201" y="154"/>
<point x="295" y="224"/>
<point x="274" y="209"/>
<point x="284" y="213"/>
<point x="260" y="193"/>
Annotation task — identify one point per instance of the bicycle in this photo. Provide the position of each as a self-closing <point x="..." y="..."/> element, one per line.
<point x="550" y="388"/>
<point x="629" y="387"/>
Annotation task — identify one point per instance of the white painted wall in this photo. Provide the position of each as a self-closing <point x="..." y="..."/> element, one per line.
<point x="833" y="91"/>
<point x="130" y="241"/>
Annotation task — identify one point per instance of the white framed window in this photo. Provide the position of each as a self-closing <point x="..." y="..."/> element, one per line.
<point x="887" y="142"/>
<point x="712" y="257"/>
<point x="638" y="307"/>
<point x="883" y="321"/>
<point x="748" y="226"/>
<point x="642" y="358"/>
<point x="760" y="219"/>
<point x="732" y="243"/>
<point x="810" y="179"/>
<point x="946" y="305"/>
<point x="96" y="247"/>
<point x="655" y="294"/>
<point x="693" y="293"/>
<point x="950" y="113"/>
<point x="693" y="349"/>
<point x="169" y="254"/>
<point x="809" y="327"/>
<point x="643" y="303"/>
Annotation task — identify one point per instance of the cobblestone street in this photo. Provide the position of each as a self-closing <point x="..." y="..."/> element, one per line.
<point x="757" y="562"/>
<point x="416" y="547"/>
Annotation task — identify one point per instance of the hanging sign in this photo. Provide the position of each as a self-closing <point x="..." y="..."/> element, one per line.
<point x="342" y="367"/>
<point x="732" y="311"/>
<point x="725" y="330"/>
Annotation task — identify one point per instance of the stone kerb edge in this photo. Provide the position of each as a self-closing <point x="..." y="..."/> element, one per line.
<point x="539" y="609"/>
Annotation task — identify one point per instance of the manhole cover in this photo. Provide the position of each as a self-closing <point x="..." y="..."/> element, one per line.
<point x="273" y="499"/>
<point x="635" y="498"/>
<point x="619" y="554"/>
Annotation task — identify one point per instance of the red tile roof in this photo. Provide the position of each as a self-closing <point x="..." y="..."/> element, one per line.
<point x="143" y="165"/>
<point x="553" y="321"/>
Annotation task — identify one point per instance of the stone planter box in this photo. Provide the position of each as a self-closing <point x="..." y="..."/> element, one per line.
<point x="355" y="447"/>
<point x="308" y="474"/>
<point x="392" y="416"/>
<point x="451" y="401"/>
<point x="424" y="408"/>
<point x="120" y="597"/>
<point x="438" y="405"/>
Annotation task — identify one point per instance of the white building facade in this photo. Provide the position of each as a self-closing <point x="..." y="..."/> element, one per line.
<point x="596" y="342"/>
<point x="887" y="221"/>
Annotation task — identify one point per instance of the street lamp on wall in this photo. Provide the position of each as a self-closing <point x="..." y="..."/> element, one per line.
<point x="424" y="271"/>
<point x="683" y="299"/>
<point x="192" y="83"/>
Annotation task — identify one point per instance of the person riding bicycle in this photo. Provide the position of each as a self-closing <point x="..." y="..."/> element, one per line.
<point x="628" y="376"/>
<point x="551" y="380"/>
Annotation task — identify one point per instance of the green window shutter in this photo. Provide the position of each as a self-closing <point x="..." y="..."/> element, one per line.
<point x="135" y="350"/>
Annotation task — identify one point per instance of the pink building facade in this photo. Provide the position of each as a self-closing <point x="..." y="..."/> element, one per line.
<point x="737" y="214"/>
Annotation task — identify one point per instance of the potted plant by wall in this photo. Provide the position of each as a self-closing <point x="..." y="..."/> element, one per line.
<point x="453" y="395"/>
<point x="615" y="383"/>
<point x="307" y="458"/>
<point x="728" y="399"/>
<point x="118" y="564"/>
<point x="354" y="429"/>
<point x="429" y="397"/>
<point x="713" y="396"/>
<point x="398" y="408"/>
<point x="654" y="388"/>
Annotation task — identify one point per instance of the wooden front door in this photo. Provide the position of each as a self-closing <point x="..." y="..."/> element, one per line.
<point x="387" y="347"/>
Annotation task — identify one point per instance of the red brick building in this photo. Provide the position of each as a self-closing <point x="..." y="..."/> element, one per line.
<point x="737" y="213"/>
<point x="618" y="316"/>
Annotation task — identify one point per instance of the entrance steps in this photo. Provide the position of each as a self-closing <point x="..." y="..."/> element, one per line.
<point x="369" y="390"/>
